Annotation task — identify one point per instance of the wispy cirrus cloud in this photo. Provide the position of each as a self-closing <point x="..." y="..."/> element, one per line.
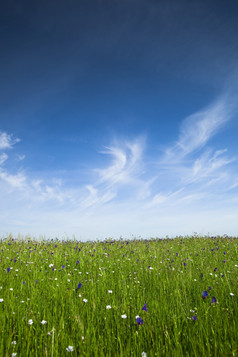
<point x="197" y="129"/>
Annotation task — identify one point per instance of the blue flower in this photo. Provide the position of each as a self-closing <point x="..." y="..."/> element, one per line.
<point x="63" y="266"/>
<point x="79" y="286"/>
<point x="214" y="300"/>
<point x="144" y="308"/>
<point x="8" y="269"/>
<point x="139" y="320"/>
<point x="204" y="294"/>
<point x="194" y="318"/>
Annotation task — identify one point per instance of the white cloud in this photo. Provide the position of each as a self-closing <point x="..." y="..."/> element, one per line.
<point x="6" y="141"/>
<point x="17" y="181"/>
<point x="3" y="158"/>
<point x="199" y="128"/>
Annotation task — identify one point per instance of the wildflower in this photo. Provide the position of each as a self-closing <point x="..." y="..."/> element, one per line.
<point x="215" y="269"/>
<point x="11" y="289"/>
<point x="144" y="354"/>
<point x="232" y="294"/>
<point x="209" y="288"/>
<point x="214" y="300"/>
<point x="13" y="342"/>
<point x="108" y="307"/>
<point x="192" y="311"/>
<point x="63" y="266"/>
<point x="139" y="320"/>
<point x="8" y="270"/>
<point x="194" y="318"/>
<point x="85" y="300"/>
<point x="79" y="286"/>
<point x="14" y="354"/>
<point x="70" y="348"/>
<point x="77" y="262"/>
<point x="123" y="316"/>
<point x="110" y="291"/>
<point x="51" y="265"/>
<point x="144" y="308"/>
<point x="30" y="322"/>
<point x="204" y="294"/>
<point x="1" y="300"/>
<point x="43" y="322"/>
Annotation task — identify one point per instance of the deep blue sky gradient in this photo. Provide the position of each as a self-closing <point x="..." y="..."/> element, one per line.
<point x="100" y="104"/>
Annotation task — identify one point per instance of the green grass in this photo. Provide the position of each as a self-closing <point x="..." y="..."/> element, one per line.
<point x="168" y="275"/>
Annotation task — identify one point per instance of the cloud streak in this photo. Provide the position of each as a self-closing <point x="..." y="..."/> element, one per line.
<point x="199" y="128"/>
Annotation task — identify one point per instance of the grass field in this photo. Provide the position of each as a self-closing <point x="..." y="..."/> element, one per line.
<point x="170" y="297"/>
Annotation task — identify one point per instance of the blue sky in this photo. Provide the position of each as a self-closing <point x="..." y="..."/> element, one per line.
<point x="118" y="118"/>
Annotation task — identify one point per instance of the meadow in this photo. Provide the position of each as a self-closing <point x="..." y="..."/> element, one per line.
<point x="157" y="297"/>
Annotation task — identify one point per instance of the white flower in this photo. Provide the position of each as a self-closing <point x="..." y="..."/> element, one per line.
<point x="13" y="342"/>
<point x="110" y="291"/>
<point x="68" y="280"/>
<point x="108" y="307"/>
<point x="85" y="300"/>
<point x="231" y="294"/>
<point x="43" y="322"/>
<point x="11" y="289"/>
<point x="14" y="354"/>
<point x="144" y="354"/>
<point x="80" y="295"/>
<point x="30" y="322"/>
<point x="1" y="300"/>
<point x="236" y="266"/>
<point x="51" y="265"/>
<point x="123" y="316"/>
<point x="70" y="348"/>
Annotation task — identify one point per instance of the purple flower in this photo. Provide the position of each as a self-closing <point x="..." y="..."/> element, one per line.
<point x="214" y="300"/>
<point x="63" y="266"/>
<point x="8" y="269"/>
<point x="215" y="269"/>
<point x="144" y="308"/>
<point x="139" y="320"/>
<point x="77" y="262"/>
<point x="194" y="318"/>
<point x="204" y="294"/>
<point x="209" y="288"/>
